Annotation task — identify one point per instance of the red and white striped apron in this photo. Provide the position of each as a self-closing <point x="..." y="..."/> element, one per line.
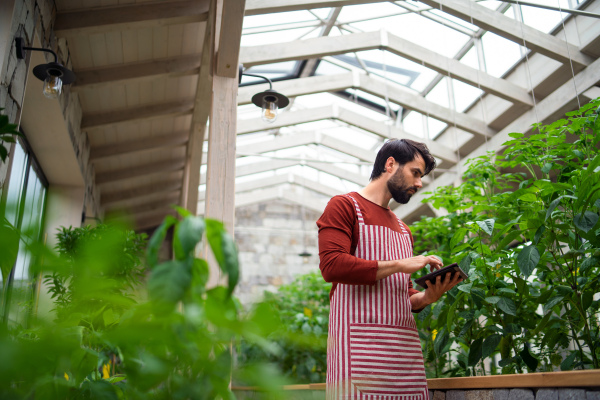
<point x="373" y="348"/>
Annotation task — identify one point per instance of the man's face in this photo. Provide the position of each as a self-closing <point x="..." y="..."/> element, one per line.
<point x="406" y="180"/>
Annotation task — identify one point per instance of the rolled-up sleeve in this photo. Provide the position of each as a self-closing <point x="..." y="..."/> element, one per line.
<point x="337" y="261"/>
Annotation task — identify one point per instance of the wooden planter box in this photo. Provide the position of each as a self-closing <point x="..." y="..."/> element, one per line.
<point x="571" y="385"/>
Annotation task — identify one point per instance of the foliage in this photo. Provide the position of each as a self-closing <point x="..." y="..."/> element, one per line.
<point x="525" y="228"/>
<point x="7" y="133"/>
<point x="177" y="345"/>
<point x="115" y="257"/>
<point x="303" y="307"/>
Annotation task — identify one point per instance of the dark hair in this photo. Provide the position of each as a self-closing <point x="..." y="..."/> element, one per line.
<point x="403" y="151"/>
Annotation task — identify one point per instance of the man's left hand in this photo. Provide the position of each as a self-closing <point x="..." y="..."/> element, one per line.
<point x="435" y="291"/>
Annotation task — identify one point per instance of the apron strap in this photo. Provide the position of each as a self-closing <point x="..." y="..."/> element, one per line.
<point x="359" y="215"/>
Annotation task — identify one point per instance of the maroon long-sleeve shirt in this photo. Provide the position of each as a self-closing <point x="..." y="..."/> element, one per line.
<point x="338" y="238"/>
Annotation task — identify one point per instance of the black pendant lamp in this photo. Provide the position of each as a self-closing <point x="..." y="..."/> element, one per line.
<point x="54" y="75"/>
<point x="270" y="101"/>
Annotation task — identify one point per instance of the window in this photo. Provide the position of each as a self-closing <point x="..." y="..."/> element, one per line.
<point x="25" y="201"/>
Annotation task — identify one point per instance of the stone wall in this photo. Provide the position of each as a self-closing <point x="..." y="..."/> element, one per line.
<point x="36" y="18"/>
<point x="270" y="237"/>
<point x="517" y="394"/>
<point x="491" y="394"/>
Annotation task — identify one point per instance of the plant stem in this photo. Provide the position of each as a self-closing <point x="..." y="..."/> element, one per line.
<point x="575" y="335"/>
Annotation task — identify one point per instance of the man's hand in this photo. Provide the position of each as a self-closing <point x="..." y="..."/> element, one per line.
<point x="406" y="265"/>
<point x="413" y="264"/>
<point x="434" y="291"/>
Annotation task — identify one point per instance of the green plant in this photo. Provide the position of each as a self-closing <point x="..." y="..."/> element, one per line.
<point x="303" y="308"/>
<point x="120" y="251"/>
<point x="176" y="345"/>
<point x="7" y="133"/>
<point x="525" y="227"/>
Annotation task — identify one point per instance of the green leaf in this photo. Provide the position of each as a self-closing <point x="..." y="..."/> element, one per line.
<point x="588" y="263"/>
<point x="552" y="302"/>
<point x="9" y="248"/>
<point x="487" y="225"/>
<point x="587" y="298"/>
<point x="538" y="234"/>
<point x="466" y="327"/>
<point x="552" y="206"/>
<point x="224" y="250"/>
<point x="440" y="342"/>
<point x="465" y="264"/>
<point x="568" y="362"/>
<point x="492" y="299"/>
<point x="156" y="240"/>
<point x="489" y="345"/>
<point x="531" y="362"/>
<point x="512" y="235"/>
<point x="475" y="352"/>
<point x="507" y="305"/>
<point x="546" y="168"/>
<point x="542" y="324"/>
<point x="516" y="135"/>
<point x="528" y="197"/>
<point x="512" y="329"/>
<point x="465" y="287"/>
<point x="586" y="221"/>
<point x="168" y="282"/>
<point x="458" y="237"/>
<point x="528" y="259"/>
<point x="187" y="235"/>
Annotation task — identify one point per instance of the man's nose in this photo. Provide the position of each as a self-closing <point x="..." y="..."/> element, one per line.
<point x="419" y="183"/>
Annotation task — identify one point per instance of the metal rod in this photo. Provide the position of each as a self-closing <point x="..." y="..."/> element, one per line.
<point x="46" y="50"/>
<point x="565" y="10"/>
<point x="260" y="76"/>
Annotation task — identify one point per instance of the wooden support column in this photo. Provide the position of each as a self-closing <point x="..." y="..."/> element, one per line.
<point x="220" y="180"/>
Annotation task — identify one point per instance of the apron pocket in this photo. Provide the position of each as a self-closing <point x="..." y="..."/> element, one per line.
<point x="386" y="360"/>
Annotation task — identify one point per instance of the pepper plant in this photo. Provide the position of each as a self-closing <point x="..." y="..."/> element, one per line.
<point x="176" y="345"/>
<point x="301" y="338"/>
<point x="524" y="226"/>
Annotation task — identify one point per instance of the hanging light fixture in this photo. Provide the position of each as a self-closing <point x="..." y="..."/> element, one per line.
<point x="270" y="101"/>
<point x="54" y="75"/>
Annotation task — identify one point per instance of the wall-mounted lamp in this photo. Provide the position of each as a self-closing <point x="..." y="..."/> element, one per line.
<point x="53" y="74"/>
<point x="269" y="101"/>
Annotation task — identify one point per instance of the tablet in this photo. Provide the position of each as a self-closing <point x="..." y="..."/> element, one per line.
<point x="452" y="268"/>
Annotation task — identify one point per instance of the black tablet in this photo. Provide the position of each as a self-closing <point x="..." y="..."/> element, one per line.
<point x="452" y="268"/>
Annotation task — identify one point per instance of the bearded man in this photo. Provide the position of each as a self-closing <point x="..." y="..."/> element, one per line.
<point x="373" y="346"/>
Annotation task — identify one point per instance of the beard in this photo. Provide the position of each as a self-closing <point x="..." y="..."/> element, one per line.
<point x="398" y="188"/>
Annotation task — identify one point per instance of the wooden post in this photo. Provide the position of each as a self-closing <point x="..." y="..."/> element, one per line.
<point x="220" y="177"/>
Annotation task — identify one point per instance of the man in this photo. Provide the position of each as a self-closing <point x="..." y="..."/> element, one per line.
<point x="366" y="251"/>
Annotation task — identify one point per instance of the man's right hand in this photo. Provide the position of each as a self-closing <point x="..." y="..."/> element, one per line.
<point x="406" y="265"/>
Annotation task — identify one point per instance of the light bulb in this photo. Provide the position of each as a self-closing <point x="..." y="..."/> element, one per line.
<point x="269" y="110"/>
<point x="52" y="86"/>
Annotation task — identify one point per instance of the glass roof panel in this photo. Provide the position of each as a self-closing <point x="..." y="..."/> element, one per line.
<point x="500" y="54"/>
<point x="281" y="36"/>
<point x="262" y="20"/>
<point x="439" y="94"/>
<point x="464" y="95"/>
<point x="272" y="71"/>
<point x="542" y="19"/>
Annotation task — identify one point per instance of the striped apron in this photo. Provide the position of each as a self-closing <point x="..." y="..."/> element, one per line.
<point x="373" y="348"/>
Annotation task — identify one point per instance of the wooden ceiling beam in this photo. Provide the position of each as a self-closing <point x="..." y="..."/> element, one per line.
<point x="151" y="219"/>
<point x="93" y="78"/>
<point x="133" y="146"/>
<point x="103" y="19"/>
<point x="147" y="112"/>
<point x="164" y="186"/>
<point x="513" y="30"/>
<point x="155" y="204"/>
<point x="138" y="171"/>
<point x="376" y="127"/>
<point x="333" y="45"/>
<point x="558" y="102"/>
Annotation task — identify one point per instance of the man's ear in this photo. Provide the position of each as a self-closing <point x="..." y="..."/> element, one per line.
<point x="389" y="164"/>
